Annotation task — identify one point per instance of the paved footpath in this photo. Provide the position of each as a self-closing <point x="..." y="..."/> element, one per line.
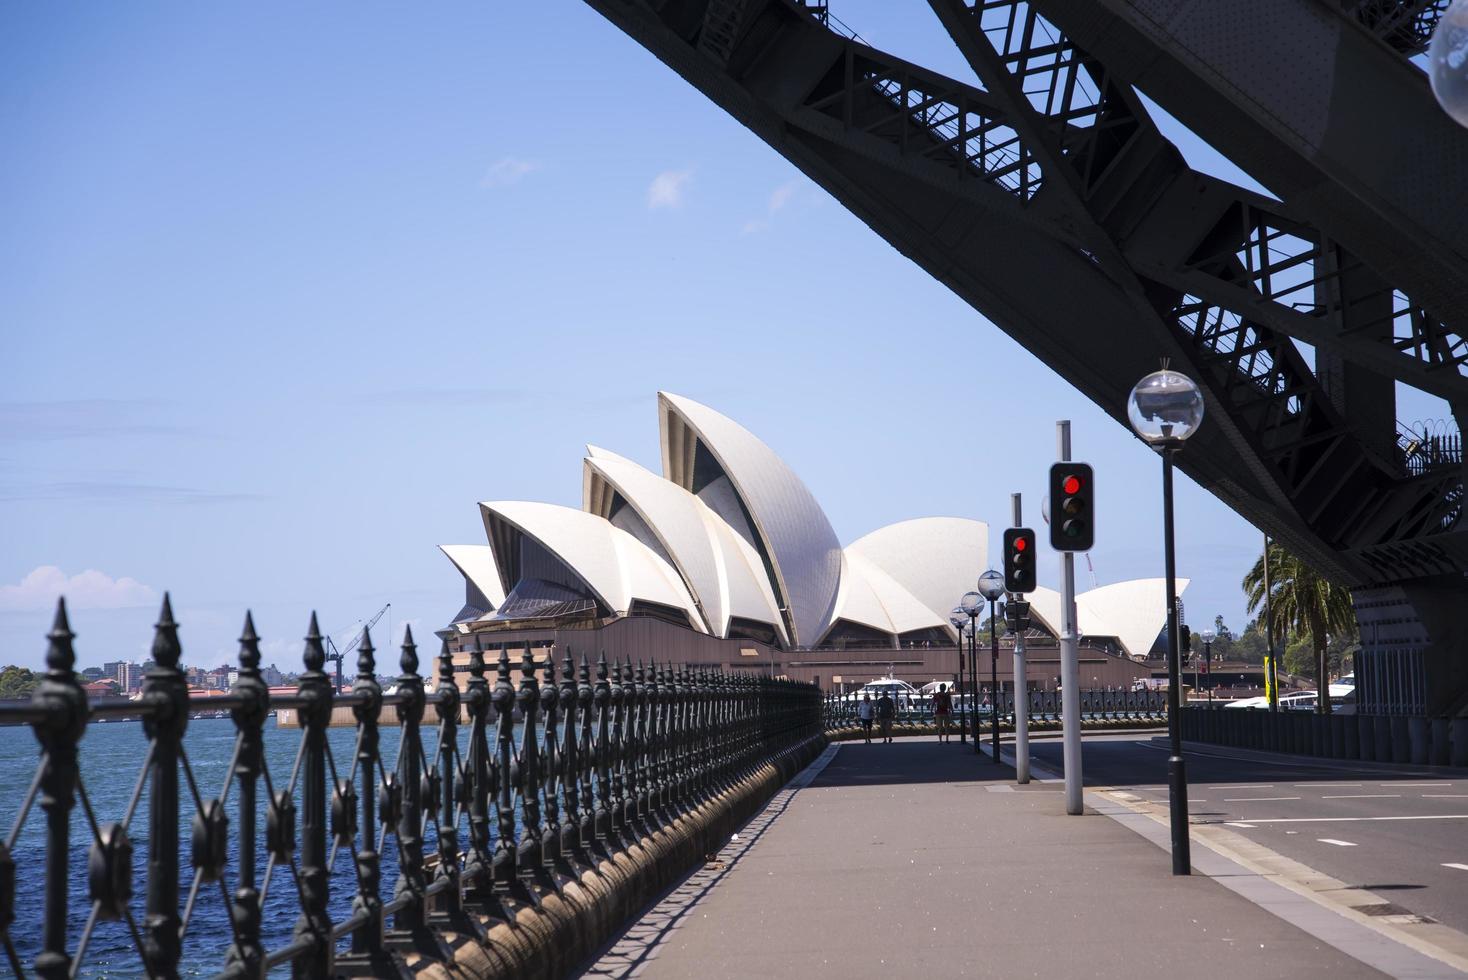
<point x="919" y="859"/>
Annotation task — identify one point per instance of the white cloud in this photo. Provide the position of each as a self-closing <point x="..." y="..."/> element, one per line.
<point x="507" y="171"/>
<point x="667" y="189"/>
<point x="90" y="589"/>
<point x="779" y="197"/>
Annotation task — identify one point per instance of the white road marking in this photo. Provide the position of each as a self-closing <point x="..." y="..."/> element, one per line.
<point x="1445" y="796"/>
<point x="1235" y="823"/>
<point x="1324" y="785"/>
<point x="1245" y="786"/>
<point x="1460" y="867"/>
<point x="1365" y="796"/>
<point x="1337" y="843"/>
<point x="1257" y="799"/>
<point x="1430" y="816"/>
<point x="1435" y="784"/>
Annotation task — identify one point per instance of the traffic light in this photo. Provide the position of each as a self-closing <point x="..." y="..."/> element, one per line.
<point x="1072" y="507"/>
<point x="1019" y="560"/>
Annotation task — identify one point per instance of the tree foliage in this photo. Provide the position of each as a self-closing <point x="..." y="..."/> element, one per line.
<point x="18" y="682"/>
<point x="1305" y="604"/>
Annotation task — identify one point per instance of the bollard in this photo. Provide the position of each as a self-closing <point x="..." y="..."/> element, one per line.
<point x="1366" y="731"/>
<point x="1417" y="736"/>
<point x="1458" y="739"/>
<point x="1438" y="754"/>
<point x="1400" y="740"/>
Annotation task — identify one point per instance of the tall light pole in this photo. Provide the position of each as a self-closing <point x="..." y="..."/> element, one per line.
<point x="1165" y="408"/>
<point x="991" y="586"/>
<point x="1208" y="636"/>
<point x="972" y="605"/>
<point x="956" y="619"/>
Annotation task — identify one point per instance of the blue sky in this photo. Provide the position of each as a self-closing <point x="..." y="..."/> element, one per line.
<point x="286" y="290"/>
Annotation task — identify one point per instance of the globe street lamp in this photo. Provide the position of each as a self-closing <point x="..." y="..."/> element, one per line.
<point x="1447" y="61"/>
<point x="1165" y="408"/>
<point x="972" y="605"/>
<point x="991" y="584"/>
<point x="956" y="618"/>
<point x="1208" y="638"/>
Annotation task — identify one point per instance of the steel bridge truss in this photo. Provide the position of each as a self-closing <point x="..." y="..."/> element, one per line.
<point x="1046" y="197"/>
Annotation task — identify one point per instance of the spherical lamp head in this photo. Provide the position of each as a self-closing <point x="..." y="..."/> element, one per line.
<point x="1208" y="636"/>
<point x="958" y="618"/>
<point x="991" y="584"/>
<point x="1447" y="61"/>
<point x="972" y="603"/>
<point x="1165" y="408"/>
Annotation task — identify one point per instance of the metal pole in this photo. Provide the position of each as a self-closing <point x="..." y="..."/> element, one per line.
<point x="1176" y="769"/>
<point x="994" y="679"/>
<point x="962" y="707"/>
<point x="1208" y="668"/>
<point x="1271" y="675"/>
<point x="1070" y="693"/>
<point x="1021" y="690"/>
<point x="973" y="663"/>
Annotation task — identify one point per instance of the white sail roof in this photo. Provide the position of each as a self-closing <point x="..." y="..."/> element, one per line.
<point x="611" y="562"/>
<point x="871" y="597"/>
<point x="936" y="559"/>
<point x="476" y="563"/>
<point x="722" y="570"/>
<point x="789" y="527"/>
<point x="1134" y="612"/>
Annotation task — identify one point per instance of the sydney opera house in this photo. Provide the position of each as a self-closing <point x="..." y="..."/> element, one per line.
<point x="727" y="558"/>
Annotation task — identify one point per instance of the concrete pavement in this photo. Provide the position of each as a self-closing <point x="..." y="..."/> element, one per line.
<point x="919" y="857"/>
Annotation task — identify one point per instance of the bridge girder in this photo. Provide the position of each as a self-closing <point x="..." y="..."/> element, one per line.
<point x="1048" y="200"/>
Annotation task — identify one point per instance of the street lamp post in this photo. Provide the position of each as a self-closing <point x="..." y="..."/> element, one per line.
<point x="972" y="604"/>
<point x="956" y="618"/>
<point x="1208" y="637"/>
<point x="991" y="586"/>
<point x="1165" y="408"/>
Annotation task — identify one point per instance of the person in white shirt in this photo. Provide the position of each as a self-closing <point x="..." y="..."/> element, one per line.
<point x="864" y="713"/>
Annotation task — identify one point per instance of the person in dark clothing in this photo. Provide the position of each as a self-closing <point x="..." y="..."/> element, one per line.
<point x="943" y="711"/>
<point x="885" y="711"/>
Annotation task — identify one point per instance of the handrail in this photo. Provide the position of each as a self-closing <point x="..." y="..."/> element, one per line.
<point x="556" y="776"/>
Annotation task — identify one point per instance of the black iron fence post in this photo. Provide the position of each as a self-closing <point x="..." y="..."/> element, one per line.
<point x="367" y="939"/>
<point x="586" y="755"/>
<point x="550" y="765"/>
<point x="527" y="779"/>
<point x="449" y="902"/>
<point x="166" y="692"/>
<point x="65" y="704"/>
<point x="631" y="752"/>
<point x="571" y="840"/>
<point x="506" y="878"/>
<point x="409" y="927"/>
<point x="603" y="695"/>
<point x="478" y="876"/>
<point x="246" y="956"/>
<point x="315" y="715"/>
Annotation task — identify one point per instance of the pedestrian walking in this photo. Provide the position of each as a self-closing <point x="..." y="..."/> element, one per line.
<point x="885" y="710"/>
<point x="943" y="712"/>
<point x="864" y="712"/>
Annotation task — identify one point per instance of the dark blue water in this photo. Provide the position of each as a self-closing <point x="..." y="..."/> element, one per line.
<point x="111" y="757"/>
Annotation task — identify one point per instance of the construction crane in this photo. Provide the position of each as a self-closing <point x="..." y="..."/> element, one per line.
<point x="332" y="653"/>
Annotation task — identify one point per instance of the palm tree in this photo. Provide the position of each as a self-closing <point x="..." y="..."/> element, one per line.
<point x="1304" y="602"/>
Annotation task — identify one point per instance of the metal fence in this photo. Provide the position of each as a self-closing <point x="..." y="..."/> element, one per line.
<point x="1142" y="707"/>
<point x="605" y="755"/>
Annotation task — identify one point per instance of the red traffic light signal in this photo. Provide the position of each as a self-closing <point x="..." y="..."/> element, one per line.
<point x="1019" y="560"/>
<point x="1072" y="503"/>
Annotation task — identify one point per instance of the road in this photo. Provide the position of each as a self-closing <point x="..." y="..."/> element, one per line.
<point x="1397" y="831"/>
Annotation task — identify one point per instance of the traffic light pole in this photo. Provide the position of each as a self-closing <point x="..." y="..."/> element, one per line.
<point x="1021" y="691"/>
<point x="1070" y="693"/>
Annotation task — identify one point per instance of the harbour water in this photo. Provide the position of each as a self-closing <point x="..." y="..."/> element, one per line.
<point x="112" y="755"/>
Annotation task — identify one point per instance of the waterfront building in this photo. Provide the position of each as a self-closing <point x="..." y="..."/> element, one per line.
<point x="726" y="558"/>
